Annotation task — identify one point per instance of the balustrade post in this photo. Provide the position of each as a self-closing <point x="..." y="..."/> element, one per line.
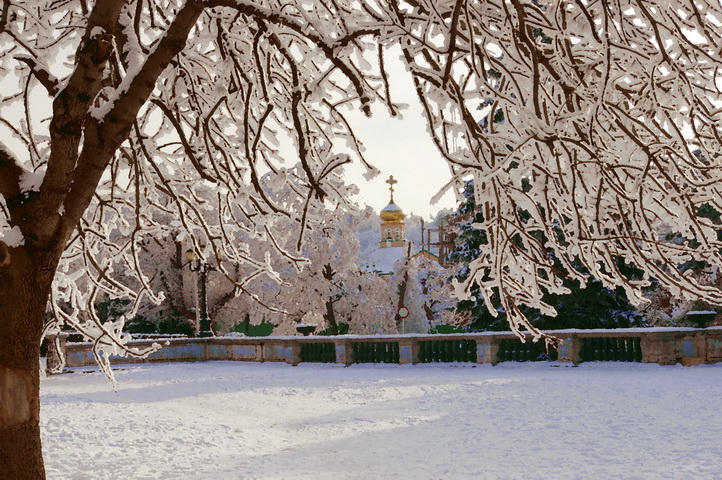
<point x="692" y="348"/>
<point x="344" y="351"/>
<point x="409" y="349"/>
<point x="570" y="348"/>
<point x="295" y="358"/>
<point x="659" y="347"/>
<point x="714" y="346"/>
<point x="487" y="350"/>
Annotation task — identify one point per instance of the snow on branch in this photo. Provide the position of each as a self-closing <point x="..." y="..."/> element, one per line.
<point x="590" y="129"/>
<point x="44" y="76"/>
<point x="590" y="135"/>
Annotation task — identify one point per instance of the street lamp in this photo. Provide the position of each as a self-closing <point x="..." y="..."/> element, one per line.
<point x="199" y="265"/>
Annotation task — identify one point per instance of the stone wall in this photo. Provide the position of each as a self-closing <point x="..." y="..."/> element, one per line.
<point x="664" y="346"/>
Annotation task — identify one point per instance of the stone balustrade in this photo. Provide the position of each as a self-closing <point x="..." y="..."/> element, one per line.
<point x="666" y="346"/>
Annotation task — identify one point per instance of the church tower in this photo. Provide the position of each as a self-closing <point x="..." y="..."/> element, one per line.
<point x="393" y="232"/>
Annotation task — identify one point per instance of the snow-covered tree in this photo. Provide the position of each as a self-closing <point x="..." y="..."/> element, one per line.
<point x="118" y="113"/>
<point x="593" y="306"/>
<point x="422" y="286"/>
<point x="664" y="309"/>
<point x="329" y="289"/>
<point x="599" y="120"/>
<point x="163" y="261"/>
<point x="115" y="111"/>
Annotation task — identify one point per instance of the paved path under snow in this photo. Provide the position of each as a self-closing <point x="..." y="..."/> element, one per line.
<point x="235" y="420"/>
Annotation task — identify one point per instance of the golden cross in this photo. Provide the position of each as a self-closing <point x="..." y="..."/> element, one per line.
<point x="391" y="183"/>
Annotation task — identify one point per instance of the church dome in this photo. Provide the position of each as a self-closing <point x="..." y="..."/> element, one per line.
<point x="392" y="213"/>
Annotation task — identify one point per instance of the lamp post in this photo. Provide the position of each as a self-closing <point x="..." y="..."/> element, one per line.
<point x="199" y="265"/>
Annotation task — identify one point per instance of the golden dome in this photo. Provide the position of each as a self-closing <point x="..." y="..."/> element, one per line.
<point x="392" y="213"/>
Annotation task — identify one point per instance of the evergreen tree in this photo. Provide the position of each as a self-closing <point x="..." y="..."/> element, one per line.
<point x="592" y="307"/>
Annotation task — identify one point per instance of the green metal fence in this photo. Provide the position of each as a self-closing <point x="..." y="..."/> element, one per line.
<point x="513" y="350"/>
<point x="376" y="352"/>
<point x="611" y="349"/>
<point x="318" y="352"/>
<point x="447" y="351"/>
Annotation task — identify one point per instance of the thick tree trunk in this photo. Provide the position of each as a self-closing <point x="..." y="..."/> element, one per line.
<point x="429" y="313"/>
<point x="24" y="290"/>
<point x="427" y="308"/>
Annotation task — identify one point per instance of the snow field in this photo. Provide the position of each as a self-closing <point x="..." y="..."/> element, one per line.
<point x="273" y="421"/>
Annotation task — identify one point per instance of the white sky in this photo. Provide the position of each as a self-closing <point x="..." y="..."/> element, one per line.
<point x="398" y="147"/>
<point x="402" y="148"/>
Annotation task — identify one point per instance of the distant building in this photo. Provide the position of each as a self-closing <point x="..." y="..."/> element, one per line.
<point x="393" y="229"/>
<point x="392" y="243"/>
<point x="426" y="254"/>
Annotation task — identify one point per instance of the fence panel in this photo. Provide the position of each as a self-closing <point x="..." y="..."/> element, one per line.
<point x="611" y="349"/>
<point x="318" y="352"/>
<point x="375" y="352"/>
<point x="516" y="351"/>
<point x="447" y="351"/>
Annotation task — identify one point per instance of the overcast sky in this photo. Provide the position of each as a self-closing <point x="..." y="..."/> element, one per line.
<point x="401" y="148"/>
<point x="398" y="147"/>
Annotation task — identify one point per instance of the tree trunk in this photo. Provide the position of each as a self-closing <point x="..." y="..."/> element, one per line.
<point x="402" y="298"/>
<point x="402" y="290"/>
<point x="429" y="313"/>
<point x="24" y="291"/>
<point x="427" y="308"/>
<point x="330" y="317"/>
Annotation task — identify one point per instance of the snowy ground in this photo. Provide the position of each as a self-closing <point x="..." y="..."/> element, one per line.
<point x="272" y="421"/>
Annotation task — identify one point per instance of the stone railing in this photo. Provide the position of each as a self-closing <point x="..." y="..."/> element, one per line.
<point x="664" y="346"/>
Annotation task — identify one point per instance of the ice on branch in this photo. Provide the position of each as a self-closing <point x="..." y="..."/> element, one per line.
<point x="592" y="136"/>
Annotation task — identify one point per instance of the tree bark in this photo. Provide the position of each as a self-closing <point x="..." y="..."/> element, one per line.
<point x="402" y="290"/>
<point x="427" y="308"/>
<point x="402" y="298"/>
<point x="330" y="317"/>
<point x="70" y="181"/>
<point x="24" y="291"/>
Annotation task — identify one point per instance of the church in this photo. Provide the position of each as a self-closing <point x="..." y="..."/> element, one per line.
<point x="393" y="245"/>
